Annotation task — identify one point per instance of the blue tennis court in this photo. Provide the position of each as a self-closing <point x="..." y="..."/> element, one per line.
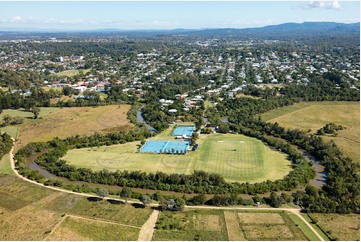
<point x="183" y="130"/>
<point x="165" y="146"/>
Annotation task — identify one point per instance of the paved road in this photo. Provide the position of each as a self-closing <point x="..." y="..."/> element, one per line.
<point x="296" y="211"/>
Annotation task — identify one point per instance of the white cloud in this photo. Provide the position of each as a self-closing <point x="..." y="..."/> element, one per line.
<point x="17" y="18"/>
<point x="157" y="23"/>
<point x="326" y="5"/>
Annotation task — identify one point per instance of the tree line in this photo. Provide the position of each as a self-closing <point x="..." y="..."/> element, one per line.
<point x="5" y="144"/>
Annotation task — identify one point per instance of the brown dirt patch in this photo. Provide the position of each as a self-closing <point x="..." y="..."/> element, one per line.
<point x="261" y="218"/>
<point x="207" y="222"/>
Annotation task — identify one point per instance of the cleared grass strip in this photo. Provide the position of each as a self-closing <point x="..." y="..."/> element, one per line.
<point x="319" y="231"/>
<point x="305" y="229"/>
<point x="233" y="229"/>
<point x="5" y="167"/>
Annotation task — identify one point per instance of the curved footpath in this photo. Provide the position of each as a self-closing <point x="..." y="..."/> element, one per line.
<point x="295" y="211"/>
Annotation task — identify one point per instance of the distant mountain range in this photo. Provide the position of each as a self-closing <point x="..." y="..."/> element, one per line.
<point x="287" y="29"/>
<point x="281" y="30"/>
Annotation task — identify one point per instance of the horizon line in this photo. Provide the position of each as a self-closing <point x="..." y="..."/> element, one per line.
<point x="36" y="29"/>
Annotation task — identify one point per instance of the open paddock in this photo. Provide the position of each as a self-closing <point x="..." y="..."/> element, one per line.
<point x="208" y="222"/>
<point x="27" y="116"/>
<point x="77" y="228"/>
<point x="314" y="115"/>
<point x="267" y="232"/>
<point x="260" y="218"/>
<point x="204" y="225"/>
<point x="66" y="122"/>
<point x="340" y="226"/>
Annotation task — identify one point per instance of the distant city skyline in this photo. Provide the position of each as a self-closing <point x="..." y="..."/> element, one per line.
<point x="84" y="15"/>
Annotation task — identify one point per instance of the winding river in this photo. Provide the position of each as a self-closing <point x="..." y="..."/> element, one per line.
<point x="140" y="119"/>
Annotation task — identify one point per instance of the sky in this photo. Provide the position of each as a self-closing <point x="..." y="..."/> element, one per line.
<point x="85" y="15"/>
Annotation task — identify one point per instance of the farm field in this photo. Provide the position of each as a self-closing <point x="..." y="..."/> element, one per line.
<point x="340" y="226"/>
<point x="235" y="157"/>
<point x="227" y="225"/>
<point x="71" y="73"/>
<point x="191" y="225"/>
<point x="314" y="115"/>
<point x="67" y="122"/>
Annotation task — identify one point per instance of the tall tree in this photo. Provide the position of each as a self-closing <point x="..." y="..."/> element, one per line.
<point x="126" y="193"/>
<point x="102" y="193"/>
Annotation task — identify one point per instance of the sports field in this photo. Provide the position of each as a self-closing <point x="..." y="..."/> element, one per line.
<point x="67" y="122"/>
<point x="235" y="157"/>
<point x="314" y="115"/>
<point x="71" y="73"/>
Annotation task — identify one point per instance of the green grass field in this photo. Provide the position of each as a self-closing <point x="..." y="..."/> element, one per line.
<point x="5" y="167"/>
<point x="71" y="73"/>
<point x="324" y="235"/>
<point x="305" y="229"/>
<point x="235" y="157"/>
<point x="314" y="115"/>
